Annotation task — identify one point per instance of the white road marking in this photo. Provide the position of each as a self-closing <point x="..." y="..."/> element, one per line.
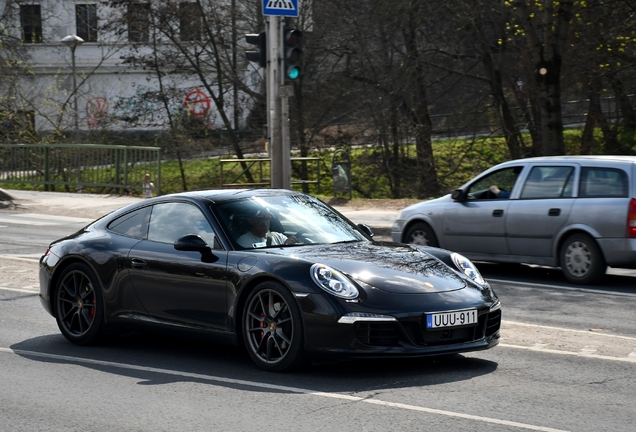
<point x="568" y="330"/>
<point x="558" y="287"/>
<point x="35" y="259"/>
<point x="572" y="353"/>
<point x="282" y="388"/>
<point x="22" y="290"/>
<point x="56" y="218"/>
<point x="20" y="221"/>
<point x="42" y="220"/>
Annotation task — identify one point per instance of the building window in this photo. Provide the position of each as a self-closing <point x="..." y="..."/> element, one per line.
<point x="31" y="22"/>
<point x="86" y="21"/>
<point x="138" y="22"/>
<point x="190" y="22"/>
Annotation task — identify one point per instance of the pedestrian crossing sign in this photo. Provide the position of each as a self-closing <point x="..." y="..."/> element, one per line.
<point x="280" y="7"/>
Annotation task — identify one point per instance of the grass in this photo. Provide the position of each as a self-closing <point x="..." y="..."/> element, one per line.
<point x="457" y="161"/>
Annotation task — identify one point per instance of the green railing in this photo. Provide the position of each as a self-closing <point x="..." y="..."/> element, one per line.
<point x="78" y="167"/>
<point x="233" y="172"/>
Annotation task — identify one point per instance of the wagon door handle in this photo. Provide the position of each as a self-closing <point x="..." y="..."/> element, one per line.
<point x="497" y="213"/>
<point x="138" y="263"/>
<point x="554" y="212"/>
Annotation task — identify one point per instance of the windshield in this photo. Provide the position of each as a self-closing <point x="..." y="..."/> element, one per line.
<point x="287" y="220"/>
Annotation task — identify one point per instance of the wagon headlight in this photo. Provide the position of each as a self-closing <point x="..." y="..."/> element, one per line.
<point x="465" y="266"/>
<point x="333" y="281"/>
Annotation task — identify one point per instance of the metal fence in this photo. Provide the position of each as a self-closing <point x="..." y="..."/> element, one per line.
<point x="79" y="167"/>
<point x="233" y="175"/>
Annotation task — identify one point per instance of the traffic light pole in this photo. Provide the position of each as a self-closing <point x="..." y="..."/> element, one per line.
<point x="277" y="107"/>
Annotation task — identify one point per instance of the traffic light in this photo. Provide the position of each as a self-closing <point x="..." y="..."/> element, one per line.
<point x="259" y="40"/>
<point x="292" y="53"/>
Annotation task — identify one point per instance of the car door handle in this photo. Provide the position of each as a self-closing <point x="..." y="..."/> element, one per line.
<point x="554" y="212"/>
<point x="138" y="263"/>
<point x="497" y="213"/>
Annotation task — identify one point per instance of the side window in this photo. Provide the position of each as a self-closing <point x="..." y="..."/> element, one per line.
<point x="133" y="224"/>
<point x="603" y="183"/>
<point x="504" y="179"/>
<point x="548" y="182"/>
<point x="139" y="22"/>
<point x="171" y="221"/>
<point x="190" y="21"/>
<point x="86" y="22"/>
<point x="31" y="23"/>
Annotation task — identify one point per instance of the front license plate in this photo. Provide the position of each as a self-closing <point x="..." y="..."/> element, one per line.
<point x="451" y="319"/>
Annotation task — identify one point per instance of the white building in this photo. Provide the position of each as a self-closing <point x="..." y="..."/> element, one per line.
<point x="111" y="94"/>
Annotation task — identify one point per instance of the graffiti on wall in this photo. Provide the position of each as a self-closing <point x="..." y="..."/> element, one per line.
<point x="148" y="108"/>
<point x="197" y="103"/>
<point x="96" y="112"/>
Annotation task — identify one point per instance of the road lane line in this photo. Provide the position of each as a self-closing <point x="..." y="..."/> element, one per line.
<point x="26" y="222"/>
<point x="558" y="287"/>
<point x="20" y="258"/>
<point x="281" y="388"/>
<point x="56" y="218"/>
<point x="587" y="332"/>
<point x="22" y="290"/>
<point x="571" y="353"/>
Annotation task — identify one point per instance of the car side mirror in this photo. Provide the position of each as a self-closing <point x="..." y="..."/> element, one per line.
<point x="191" y="243"/>
<point x="194" y="243"/>
<point x="457" y="195"/>
<point x="365" y="229"/>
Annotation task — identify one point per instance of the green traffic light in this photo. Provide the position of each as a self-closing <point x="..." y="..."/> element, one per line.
<point x="293" y="73"/>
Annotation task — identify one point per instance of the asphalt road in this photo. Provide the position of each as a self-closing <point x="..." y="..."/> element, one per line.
<point x="567" y="361"/>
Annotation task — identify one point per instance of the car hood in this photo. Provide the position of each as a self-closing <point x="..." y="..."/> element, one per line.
<point x="391" y="267"/>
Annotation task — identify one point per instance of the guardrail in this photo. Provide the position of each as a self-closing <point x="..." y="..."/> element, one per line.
<point x="263" y="174"/>
<point x="80" y="166"/>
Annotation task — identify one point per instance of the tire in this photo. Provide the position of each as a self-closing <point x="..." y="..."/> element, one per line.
<point x="581" y="260"/>
<point x="422" y="234"/>
<point x="79" y="307"/>
<point x="272" y="328"/>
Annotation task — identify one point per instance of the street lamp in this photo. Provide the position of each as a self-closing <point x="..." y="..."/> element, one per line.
<point x="73" y="41"/>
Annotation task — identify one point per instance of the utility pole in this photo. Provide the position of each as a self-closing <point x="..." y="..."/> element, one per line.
<point x="279" y="149"/>
<point x="280" y="53"/>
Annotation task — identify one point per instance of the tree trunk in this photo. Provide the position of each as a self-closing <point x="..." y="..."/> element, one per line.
<point x="418" y="112"/>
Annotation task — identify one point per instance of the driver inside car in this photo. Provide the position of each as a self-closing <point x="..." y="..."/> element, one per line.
<point x="499" y="193"/>
<point x="259" y="234"/>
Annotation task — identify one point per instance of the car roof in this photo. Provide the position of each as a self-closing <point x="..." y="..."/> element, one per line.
<point x="220" y="195"/>
<point x="580" y="159"/>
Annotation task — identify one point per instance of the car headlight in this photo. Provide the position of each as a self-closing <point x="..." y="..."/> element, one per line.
<point x="465" y="266"/>
<point x="333" y="281"/>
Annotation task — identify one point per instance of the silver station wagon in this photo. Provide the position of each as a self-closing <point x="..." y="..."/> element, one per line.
<point x="573" y="212"/>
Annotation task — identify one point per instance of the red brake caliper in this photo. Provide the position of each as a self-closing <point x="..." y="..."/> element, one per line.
<point x="92" y="311"/>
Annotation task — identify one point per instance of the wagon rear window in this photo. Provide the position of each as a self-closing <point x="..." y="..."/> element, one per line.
<point x="603" y="182"/>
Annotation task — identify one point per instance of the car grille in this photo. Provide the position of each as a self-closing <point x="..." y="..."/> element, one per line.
<point x="493" y="322"/>
<point x="410" y="331"/>
<point x="377" y="333"/>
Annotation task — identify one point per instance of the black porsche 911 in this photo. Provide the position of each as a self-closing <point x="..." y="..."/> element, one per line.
<point x="277" y="271"/>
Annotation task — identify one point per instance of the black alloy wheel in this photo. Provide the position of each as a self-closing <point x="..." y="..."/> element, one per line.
<point x="272" y="328"/>
<point x="581" y="260"/>
<point x="79" y="308"/>
<point x="421" y="234"/>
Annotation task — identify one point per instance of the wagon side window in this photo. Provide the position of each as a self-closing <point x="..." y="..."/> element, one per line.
<point x="504" y="179"/>
<point x="548" y="182"/>
<point x="603" y="183"/>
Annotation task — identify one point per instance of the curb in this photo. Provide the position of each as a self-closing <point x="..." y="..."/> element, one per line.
<point x="4" y="196"/>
